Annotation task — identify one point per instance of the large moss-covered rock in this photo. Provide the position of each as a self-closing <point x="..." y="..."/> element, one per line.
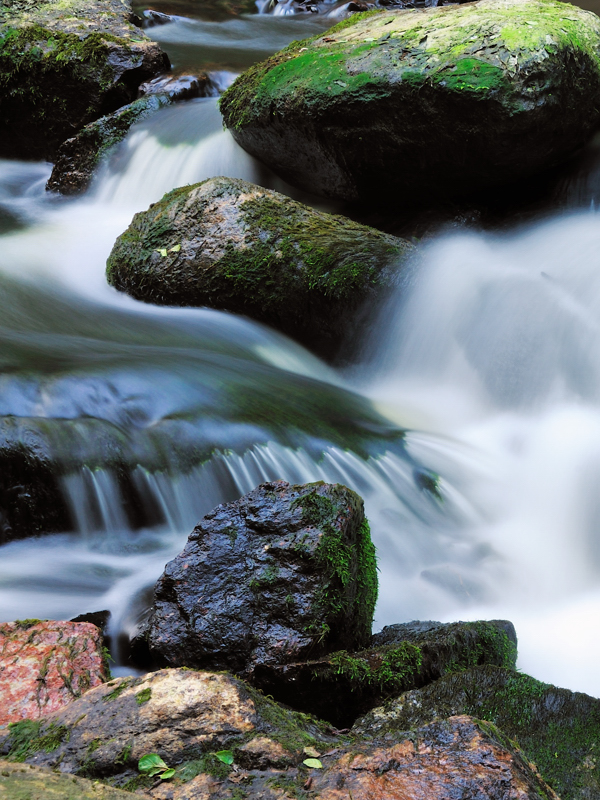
<point x="424" y="102"/>
<point x="64" y="63"/>
<point x="340" y="686"/>
<point x="284" y="572"/>
<point x="26" y="782"/>
<point x="558" y="729"/>
<point x="231" y="245"/>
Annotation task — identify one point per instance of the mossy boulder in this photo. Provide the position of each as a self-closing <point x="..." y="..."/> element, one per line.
<point x="231" y="245"/>
<point x="340" y="686"/>
<point x="415" y="104"/>
<point x="63" y="64"/>
<point x="26" y="782"/>
<point x="558" y="730"/>
<point x="284" y="572"/>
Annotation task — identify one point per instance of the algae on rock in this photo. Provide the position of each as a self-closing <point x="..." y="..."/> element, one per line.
<point x="231" y="245"/>
<point x="415" y="104"/>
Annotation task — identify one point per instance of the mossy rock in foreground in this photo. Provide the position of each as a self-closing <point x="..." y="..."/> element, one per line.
<point x="340" y="686"/>
<point x="416" y="104"/>
<point x="26" y="782"/>
<point x="280" y="574"/>
<point x="558" y="730"/>
<point x="64" y="64"/>
<point x="231" y="245"/>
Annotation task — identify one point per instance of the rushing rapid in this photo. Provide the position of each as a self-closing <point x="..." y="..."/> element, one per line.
<point x="486" y="508"/>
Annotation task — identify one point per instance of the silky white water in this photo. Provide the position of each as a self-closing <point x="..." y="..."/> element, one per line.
<point x="491" y="360"/>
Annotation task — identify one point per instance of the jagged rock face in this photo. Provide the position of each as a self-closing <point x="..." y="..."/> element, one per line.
<point x="45" y="665"/>
<point x="414" y="105"/>
<point x="559" y="730"/>
<point x="65" y="64"/>
<point x="231" y="245"/>
<point x="282" y="573"/>
<point x="340" y="686"/>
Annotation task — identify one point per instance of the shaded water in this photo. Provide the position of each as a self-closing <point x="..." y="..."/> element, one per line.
<point x="491" y="360"/>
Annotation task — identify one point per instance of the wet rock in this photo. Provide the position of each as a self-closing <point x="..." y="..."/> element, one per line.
<point x="455" y="758"/>
<point x="152" y="18"/>
<point x="340" y="686"/>
<point x="231" y="245"/>
<point x="26" y="782"/>
<point x="45" y="665"/>
<point x="284" y="573"/>
<point x="30" y="498"/>
<point x="78" y="157"/>
<point x="407" y="106"/>
<point x="66" y="64"/>
<point x="558" y="730"/>
<point x="178" y="87"/>
<point x="184" y="716"/>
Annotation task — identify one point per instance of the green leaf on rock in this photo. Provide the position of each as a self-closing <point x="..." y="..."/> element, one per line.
<point x="162" y="251"/>
<point x="167" y="774"/>
<point x="151" y="764"/>
<point x="313" y="763"/>
<point x="175" y="249"/>
<point x="226" y="756"/>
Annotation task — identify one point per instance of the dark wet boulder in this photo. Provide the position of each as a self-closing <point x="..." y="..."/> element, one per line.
<point x="231" y="245"/>
<point x="557" y="729"/>
<point x="340" y="686"/>
<point x="414" y="104"/>
<point x="284" y="573"/>
<point x="64" y="65"/>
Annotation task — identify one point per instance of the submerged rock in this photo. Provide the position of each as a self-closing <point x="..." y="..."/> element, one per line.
<point x="78" y="157"/>
<point x="64" y="65"/>
<point x="45" y="665"/>
<point x="413" y="104"/>
<point x="558" y="729"/>
<point x="281" y="574"/>
<point x="340" y="686"/>
<point x="26" y="782"/>
<point x="231" y="245"/>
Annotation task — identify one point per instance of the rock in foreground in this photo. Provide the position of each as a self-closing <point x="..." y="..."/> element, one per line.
<point x="340" y="686"/>
<point x="558" y="729"/>
<point x="47" y="665"/>
<point x="416" y="104"/>
<point x="64" y="64"/>
<point x="283" y="573"/>
<point x="26" y="782"/>
<point x="231" y="245"/>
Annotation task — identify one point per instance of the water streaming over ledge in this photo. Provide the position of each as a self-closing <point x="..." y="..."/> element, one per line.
<point x="491" y="361"/>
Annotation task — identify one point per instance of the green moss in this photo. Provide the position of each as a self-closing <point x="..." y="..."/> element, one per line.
<point x="398" y="669"/>
<point x="143" y="696"/>
<point x="117" y="691"/>
<point x="25" y="624"/>
<point x="472" y="75"/>
<point x="208" y="764"/>
<point x="28" y="737"/>
<point x="350" y="567"/>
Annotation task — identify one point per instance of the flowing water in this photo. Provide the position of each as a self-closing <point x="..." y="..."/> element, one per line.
<point x="490" y="361"/>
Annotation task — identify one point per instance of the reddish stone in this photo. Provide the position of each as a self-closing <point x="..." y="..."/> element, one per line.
<point x="46" y="665"/>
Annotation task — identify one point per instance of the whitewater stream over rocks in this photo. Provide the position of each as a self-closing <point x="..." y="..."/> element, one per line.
<point x="491" y="362"/>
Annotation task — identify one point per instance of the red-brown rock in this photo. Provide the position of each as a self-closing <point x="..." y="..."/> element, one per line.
<point x="46" y="665"/>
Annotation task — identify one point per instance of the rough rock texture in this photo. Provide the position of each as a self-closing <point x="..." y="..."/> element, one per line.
<point x="78" y="157"/>
<point x="558" y="729"/>
<point x="412" y="104"/>
<point x="340" y="686"/>
<point x="184" y="716"/>
<point x="64" y="63"/>
<point x="282" y="573"/>
<point x="232" y="245"/>
<point x="26" y="782"/>
<point x="46" y="665"/>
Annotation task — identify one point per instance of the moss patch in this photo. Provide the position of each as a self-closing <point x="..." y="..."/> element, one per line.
<point x="29" y="736"/>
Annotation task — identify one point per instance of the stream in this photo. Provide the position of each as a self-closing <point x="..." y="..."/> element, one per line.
<point x="490" y="362"/>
